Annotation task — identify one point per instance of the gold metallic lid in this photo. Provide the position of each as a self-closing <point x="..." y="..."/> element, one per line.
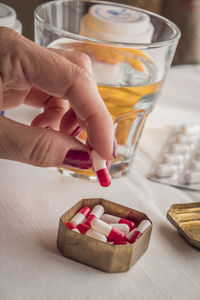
<point x="186" y="218"/>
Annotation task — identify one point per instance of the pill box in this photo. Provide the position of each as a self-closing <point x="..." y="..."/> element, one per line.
<point x="186" y="218"/>
<point x="179" y="161"/>
<point x="98" y="254"/>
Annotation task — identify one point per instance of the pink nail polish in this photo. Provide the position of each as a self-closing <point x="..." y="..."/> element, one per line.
<point x="101" y="169"/>
<point x="76" y="131"/>
<point x="78" y="159"/>
<point x="115" y="148"/>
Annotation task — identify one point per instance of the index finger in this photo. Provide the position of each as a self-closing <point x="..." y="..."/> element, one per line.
<point x="57" y="76"/>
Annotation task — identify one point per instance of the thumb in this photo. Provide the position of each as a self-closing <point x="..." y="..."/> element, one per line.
<point x="41" y="147"/>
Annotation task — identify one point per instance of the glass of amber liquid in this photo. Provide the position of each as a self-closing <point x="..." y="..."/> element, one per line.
<point x="131" y="51"/>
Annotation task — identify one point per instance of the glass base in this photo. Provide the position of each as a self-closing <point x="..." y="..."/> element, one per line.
<point x="118" y="168"/>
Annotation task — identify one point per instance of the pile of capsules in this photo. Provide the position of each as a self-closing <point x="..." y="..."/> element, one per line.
<point x="179" y="163"/>
<point x="106" y="228"/>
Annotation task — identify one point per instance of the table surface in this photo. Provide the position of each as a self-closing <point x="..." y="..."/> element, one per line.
<point x="33" y="199"/>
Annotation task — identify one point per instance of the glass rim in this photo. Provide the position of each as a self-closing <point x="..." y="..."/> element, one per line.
<point x="80" y="37"/>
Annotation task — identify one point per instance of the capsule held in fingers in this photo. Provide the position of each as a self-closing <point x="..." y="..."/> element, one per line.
<point x="101" y="169"/>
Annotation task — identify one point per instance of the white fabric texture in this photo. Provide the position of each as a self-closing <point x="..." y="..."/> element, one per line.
<point x="33" y="199"/>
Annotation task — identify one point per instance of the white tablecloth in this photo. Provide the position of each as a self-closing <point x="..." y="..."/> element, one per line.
<point x="33" y="199"/>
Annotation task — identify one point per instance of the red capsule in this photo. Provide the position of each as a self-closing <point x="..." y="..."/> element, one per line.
<point x="111" y="233"/>
<point x="84" y="229"/>
<point x="101" y="169"/>
<point x="113" y="219"/>
<point x="96" y="212"/>
<point x="71" y="226"/>
<point x="133" y="235"/>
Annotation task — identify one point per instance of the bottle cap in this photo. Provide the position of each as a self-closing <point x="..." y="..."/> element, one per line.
<point x="116" y="23"/>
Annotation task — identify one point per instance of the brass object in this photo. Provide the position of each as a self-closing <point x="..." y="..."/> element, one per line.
<point x="103" y="256"/>
<point x="186" y="218"/>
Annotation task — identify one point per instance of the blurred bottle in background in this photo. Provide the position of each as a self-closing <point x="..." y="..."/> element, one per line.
<point x="8" y="18"/>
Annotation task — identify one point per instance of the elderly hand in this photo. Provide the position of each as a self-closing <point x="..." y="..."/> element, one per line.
<point x="49" y="78"/>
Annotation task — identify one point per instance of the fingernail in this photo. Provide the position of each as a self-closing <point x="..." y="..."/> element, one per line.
<point x="76" y="131"/>
<point x="78" y="159"/>
<point x="114" y="148"/>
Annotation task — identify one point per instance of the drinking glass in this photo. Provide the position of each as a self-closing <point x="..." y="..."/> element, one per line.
<point x="131" y="51"/>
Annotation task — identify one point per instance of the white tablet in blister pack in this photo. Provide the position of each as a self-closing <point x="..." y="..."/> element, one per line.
<point x="179" y="161"/>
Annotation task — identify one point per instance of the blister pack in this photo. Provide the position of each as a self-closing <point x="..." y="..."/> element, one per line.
<point x="179" y="161"/>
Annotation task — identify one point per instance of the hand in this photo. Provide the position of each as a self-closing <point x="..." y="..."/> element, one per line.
<point x="49" y="78"/>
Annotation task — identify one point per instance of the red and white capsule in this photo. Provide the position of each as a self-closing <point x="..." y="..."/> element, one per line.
<point x="84" y="229"/>
<point x="81" y="216"/>
<point x="113" y="219"/>
<point x="101" y="169"/>
<point x="122" y="227"/>
<point x="96" y="212"/>
<point x="112" y="234"/>
<point x="133" y="235"/>
<point x="71" y="226"/>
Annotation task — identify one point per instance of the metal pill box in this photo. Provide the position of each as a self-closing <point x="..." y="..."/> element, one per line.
<point x="186" y="218"/>
<point x="103" y="256"/>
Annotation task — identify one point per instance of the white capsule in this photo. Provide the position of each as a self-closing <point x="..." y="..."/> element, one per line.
<point x="71" y="226"/>
<point x="179" y="148"/>
<point x="81" y="216"/>
<point x="122" y="227"/>
<point x="191" y="129"/>
<point x="173" y="158"/>
<point x="116" y="220"/>
<point x="110" y="218"/>
<point x="101" y="226"/>
<point x="98" y="162"/>
<point x="135" y="233"/>
<point x="191" y="177"/>
<point x="110" y="232"/>
<point x="97" y="211"/>
<point x="165" y="170"/>
<point x="96" y="235"/>
<point x="143" y="225"/>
